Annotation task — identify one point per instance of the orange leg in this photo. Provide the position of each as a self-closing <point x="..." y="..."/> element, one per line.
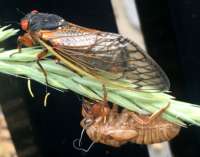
<point x="152" y="117"/>
<point x="158" y="113"/>
<point x="19" y="45"/>
<point x="95" y="109"/>
<point x="23" y="40"/>
<point x="105" y="95"/>
<point x="43" y="71"/>
<point x="105" y="109"/>
<point x="27" y="40"/>
<point x="39" y="57"/>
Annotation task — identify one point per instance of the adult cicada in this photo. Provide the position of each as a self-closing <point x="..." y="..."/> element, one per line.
<point x="93" y="52"/>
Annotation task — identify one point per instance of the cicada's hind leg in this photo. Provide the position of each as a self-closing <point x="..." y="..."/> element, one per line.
<point x="152" y="117"/>
<point x="158" y="113"/>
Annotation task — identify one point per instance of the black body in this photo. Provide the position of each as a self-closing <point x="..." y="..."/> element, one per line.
<point x="41" y="21"/>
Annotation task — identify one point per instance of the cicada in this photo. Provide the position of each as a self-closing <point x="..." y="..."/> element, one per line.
<point x="125" y="126"/>
<point x="95" y="52"/>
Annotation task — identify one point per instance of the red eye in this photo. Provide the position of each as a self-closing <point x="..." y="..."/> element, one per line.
<point x="24" y="24"/>
<point x="34" y="11"/>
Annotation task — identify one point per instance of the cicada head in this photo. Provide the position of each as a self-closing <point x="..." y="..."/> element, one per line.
<point x="35" y="21"/>
<point x="94" y="109"/>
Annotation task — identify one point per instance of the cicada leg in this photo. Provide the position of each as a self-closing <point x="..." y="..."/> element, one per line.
<point x="105" y="109"/>
<point x="19" y="45"/>
<point x="105" y="95"/>
<point x="97" y="109"/>
<point x="158" y="113"/>
<point x="26" y="40"/>
<point x="39" y="57"/>
<point x="113" y="114"/>
<point x="152" y="117"/>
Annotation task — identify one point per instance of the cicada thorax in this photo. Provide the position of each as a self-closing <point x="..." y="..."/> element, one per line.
<point x="125" y="126"/>
<point x="69" y="36"/>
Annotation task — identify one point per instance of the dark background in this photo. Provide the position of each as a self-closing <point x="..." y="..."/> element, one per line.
<point x="171" y="30"/>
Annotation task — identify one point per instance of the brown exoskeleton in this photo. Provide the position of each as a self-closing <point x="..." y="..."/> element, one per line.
<point x="126" y="126"/>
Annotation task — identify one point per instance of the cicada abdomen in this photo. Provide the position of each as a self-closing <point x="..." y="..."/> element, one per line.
<point x="126" y="126"/>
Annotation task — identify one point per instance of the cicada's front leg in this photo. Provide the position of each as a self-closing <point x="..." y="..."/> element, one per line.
<point x="28" y="41"/>
<point x="25" y="40"/>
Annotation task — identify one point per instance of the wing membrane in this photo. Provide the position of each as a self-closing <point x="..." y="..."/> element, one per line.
<point x="108" y="52"/>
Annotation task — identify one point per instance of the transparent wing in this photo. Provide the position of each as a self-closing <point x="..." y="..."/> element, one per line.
<point x="108" y="52"/>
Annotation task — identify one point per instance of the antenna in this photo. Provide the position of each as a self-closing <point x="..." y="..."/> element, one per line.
<point x="20" y="11"/>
